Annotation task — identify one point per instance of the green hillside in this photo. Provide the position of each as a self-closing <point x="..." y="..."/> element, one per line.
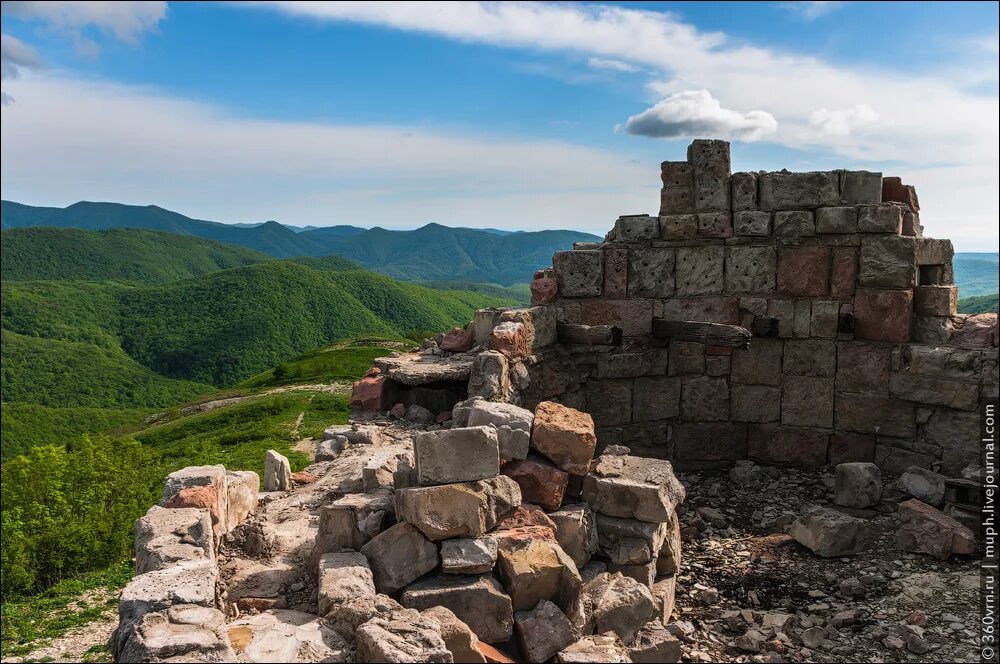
<point x="27" y="425"/>
<point x="976" y="274"/>
<point x="979" y="304"/>
<point x="518" y="292"/>
<point x="116" y="254"/>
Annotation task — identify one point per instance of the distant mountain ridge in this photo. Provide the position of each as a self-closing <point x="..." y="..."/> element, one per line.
<point x="432" y="252"/>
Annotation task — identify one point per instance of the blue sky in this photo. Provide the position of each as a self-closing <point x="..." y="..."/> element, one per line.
<point x="517" y="116"/>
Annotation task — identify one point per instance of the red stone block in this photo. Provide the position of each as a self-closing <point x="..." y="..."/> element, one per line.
<point x="851" y="447"/>
<point x="201" y="497"/>
<point x="366" y="394"/>
<point x="883" y="315"/>
<point x="718" y="350"/>
<point x="457" y="340"/>
<point x="894" y="191"/>
<point x="303" y="477"/>
<point x="544" y="290"/>
<point x="615" y="273"/>
<point x="510" y="339"/>
<point x="540" y="481"/>
<point x="804" y="271"/>
<point x="844" y="273"/>
<point x="525" y="515"/>
<point x="635" y="317"/>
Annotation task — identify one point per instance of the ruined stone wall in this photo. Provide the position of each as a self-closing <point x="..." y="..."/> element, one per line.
<point x="856" y="353"/>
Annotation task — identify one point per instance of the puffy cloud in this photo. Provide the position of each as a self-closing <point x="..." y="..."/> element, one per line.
<point x="845" y="121"/>
<point x="614" y="65"/>
<point x="16" y="56"/>
<point x="695" y="113"/>
<point x="124" y="20"/>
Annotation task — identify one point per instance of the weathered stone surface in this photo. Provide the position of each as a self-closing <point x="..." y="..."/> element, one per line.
<point x="654" y="643"/>
<point x="404" y="636"/>
<point x="752" y="222"/>
<point x="650" y="272"/>
<point x="924" y="485"/>
<point x="678" y="226"/>
<point x="974" y="331"/>
<point x="636" y="228"/>
<point x="287" y="636"/>
<point x="242" y="487"/>
<point x="807" y="401"/>
<point x="166" y="536"/>
<point x="825" y="319"/>
<point x="935" y="391"/>
<point x="864" y="413"/>
<point x="863" y="367"/>
<point x="457" y="455"/>
<point x="468" y="555"/>
<point x="538" y="569"/>
<point x="860" y="187"/>
<point x="710" y="165"/>
<point x="829" y="533"/>
<point x="888" y="262"/>
<point x="212" y="494"/>
<point x="708" y="445"/>
<point x="935" y="300"/>
<point x="755" y="403"/>
<point x="884" y="218"/>
<point x="565" y="436"/>
<point x="923" y="529"/>
<point x="634" y="317"/>
<point x="277" y="472"/>
<point x="350" y="522"/>
<point x="709" y="309"/>
<point x="656" y="398"/>
<point x="612" y="602"/>
<point x="478" y="601"/>
<point x="461" y="641"/>
<point x="749" y="270"/>
<point x="705" y="399"/>
<point x="597" y="649"/>
<point x="576" y="532"/>
<point x="509" y="338"/>
<point x="629" y="541"/>
<point x="458" y="510"/>
<point x="699" y="270"/>
<point x="804" y="271"/>
<point x="858" y="485"/>
<point x="630" y="364"/>
<point x="633" y="487"/>
<point x="543" y="631"/>
<point x="186" y="582"/>
<point x="847" y="447"/>
<point x="794" y="223"/>
<point x="343" y="577"/>
<point x="942" y="361"/>
<point x="810" y="357"/>
<point x="715" y="224"/>
<point x="957" y="434"/>
<point x="837" y="220"/>
<point x="489" y="376"/>
<point x="540" y="481"/>
<point x="459" y="339"/>
<point x="883" y="315"/>
<point x="744" y="191"/>
<point x="398" y="556"/>
<point x="787" y="446"/>
<point x="181" y="633"/>
<point x="798" y="191"/>
<point x="843" y="272"/>
<point x="760" y="364"/>
<point x="893" y="458"/>
<point x="367" y="394"/>
<point x="579" y="273"/>
<point x="616" y="272"/>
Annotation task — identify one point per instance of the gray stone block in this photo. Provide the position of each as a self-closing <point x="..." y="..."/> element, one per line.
<point x="457" y="455"/>
<point x="798" y="191"/>
<point x="888" y="262"/>
<point x="579" y="273"/>
<point x="651" y="273"/>
<point x="744" y="191"/>
<point x="885" y="218"/>
<point x="795" y="223"/>
<point x="752" y="222"/>
<point x="699" y="270"/>
<point x="750" y="269"/>
<point x="837" y="220"/>
<point x="860" y="187"/>
<point x="637" y="228"/>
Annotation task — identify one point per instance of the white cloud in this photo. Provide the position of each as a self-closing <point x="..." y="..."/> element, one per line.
<point x="844" y="122"/>
<point x="613" y="65"/>
<point x="810" y="10"/>
<point x="16" y="56"/>
<point x="124" y="20"/>
<point x="695" y="113"/>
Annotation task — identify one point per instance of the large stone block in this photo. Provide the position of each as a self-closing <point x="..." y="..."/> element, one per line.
<point x="576" y="532"/>
<point x="277" y="472"/>
<point x="456" y="455"/>
<point x="631" y="487"/>
<point x="708" y="309"/>
<point x="634" y="317"/>
<point x="883" y="315"/>
<point x="934" y="252"/>
<point x="490" y="376"/>
<point x="402" y="636"/>
<point x="744" y="191"/>
<point x="798" y="191"/>
<point x="343" y="577"/>
<point x="860" y="187"/>
<point x="538" y="570"/>
<point x="750" y="269"/>
<point x="784" y="312"/>
<point x="610" y="401"/>
<point x="848" y="447"/>
<point x="858" y="485"/>
<point x="935" y="391"/>
<point x="825" y="319"/>
<point x="637" y="228"/>
<point x="615" y="272"/>
<point x="350" y="522"/>
<point x="708" y="445"/>
<point x="279" y="635"/>
<point x="866" y="413"/>
<point x="686" y="357"/>
<point x="615" y="603"/>
<point x="543" y="631"/>
<point x="888" y="262"/>
<point x="752" y="222"/>
<point x="210" y="478"/>
<point x="656" y="398"/>
<point x="458" y="510"/>
<point x="628" y="365"/>
<point x="398" y="556"/>
<point x="710" y="164"/>
<point x="794" y="223"/>
<point x="676" y="200"/>
<point x="935" y="300"/>
<point x="461" y="641"/>
<point x="807" y="401"/>
<point x="756" y="403"/>
<point x="843" y="273"/>
<point x="478" y="601"/>
<point x="893" y="189"/>
<point x="829" y="533"/>
<point x="787" y="446"/>
<point x="164" y="537"/>
<point x="468" y="555"/>
<point x="184" y="632"/>
<point x="837" y="220"/>
<point x="579" y="273"/>
<point x="810" y="357"/>
<point x="676" y="174"/>
<point x="897" y="460"/>
<point x="186" y="582"/>
<point x="957" y="433"/>
<point x="650" y="272"/>
<point x="242" y="487"/>
<point x="863" y="367"/>
<point x="884" y="218"/>
<point x="678" y="226"/>
<point x="804" y="271"/>
<point x="760" y="364"/>
<point x="923" y="529"/>
<point x="628" y="541"/>
<point x="705" y="399"/>
<point x="699" y="270"/>
<point x="540" y="481"/>
<point x="565" y="436"/>
<point x="715" y="224"/>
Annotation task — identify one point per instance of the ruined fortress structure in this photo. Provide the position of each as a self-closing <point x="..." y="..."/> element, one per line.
<point x="835" y="336"/>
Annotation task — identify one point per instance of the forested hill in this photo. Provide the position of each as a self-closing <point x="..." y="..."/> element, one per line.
<point x="123" y="254"/>
<point x="433" y="252"/>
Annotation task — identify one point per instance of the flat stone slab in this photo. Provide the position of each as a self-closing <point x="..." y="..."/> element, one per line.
<point x="287" y="636"/>
<point x="478" y="601"/>
<point x="413" y="369"/>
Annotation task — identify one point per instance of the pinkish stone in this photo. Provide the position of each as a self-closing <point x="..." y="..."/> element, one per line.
<point x="544" y="290"/>
<point x="844" y="273"/>
<point x="924" y="529"/>
<point x="526" y="515"/>
<point x="366" y="394"/>
<point x="804" y="271"/>
<point x="540" y="481"/>
<point x="883" y="315"/>
<point x="457" y="340"/>
<point x="510" y="339"/>
<point x="615" y="273"/>
<point x="634" y="317"/>
<point x="202" y="497"/>
<point x="974" y="331"/>
<point x="398" y="411"/>
<point x="303" y="477"/>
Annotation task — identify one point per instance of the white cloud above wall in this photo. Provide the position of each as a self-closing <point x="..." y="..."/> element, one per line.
<point x="695" y="113"/>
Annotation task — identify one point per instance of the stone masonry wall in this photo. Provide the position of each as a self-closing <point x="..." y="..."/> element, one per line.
<point x="856" y="354"/>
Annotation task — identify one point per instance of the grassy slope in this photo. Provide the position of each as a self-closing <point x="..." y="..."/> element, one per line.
<point x="27" y="425"/>
<point x="116" y="254"/>
<point x="979" y="304"/>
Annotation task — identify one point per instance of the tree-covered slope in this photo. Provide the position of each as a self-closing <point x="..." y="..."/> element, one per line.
<point x="979" y="304"/>
<point x="976" y="274"/>
<point x="116" y="254"/>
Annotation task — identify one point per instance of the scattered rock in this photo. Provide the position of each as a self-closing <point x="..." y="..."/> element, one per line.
<point x="829" y="533"/>
<point x="468" y="555"/>
<point x="923" y="529"/>
<point x="404" y="636"/>
<point x="543" y="631"/>
<point x="858" y="484"/>
<point x="924" y="485"/>
<point x="399" y="556"/>
<point x="277" y="472"/>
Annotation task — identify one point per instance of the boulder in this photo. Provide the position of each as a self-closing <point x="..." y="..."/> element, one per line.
<point x="538" y="569"/>
<point x="398" y="556"/>
<point x="352" y="521"/>
<point x="478" y="601"/>
<point x="614" y="602"/>
<point x="458" y="510"/>
<point x="328" y="450"/>
<point x="343" y="577"/>
<point x="858" y="484"/>
<point x="242" y="487"/>
<point x="186" y="632"/>
<point x="543" y="631"/>
<point x="164" y="537"/>
<point x="491" y="413"/>
<point x="829" y="533"/>
<point x="923" y="529"/>
<point x="277" y="472"/>
<point x="207" y="488"/>
<point x="525" y="515"/>
<point x="576" y="532"/>
<point x="596" y="649"/>
<point x="403" y="636"/>
<point x="457" y="340"/>
<point x="565" y="436"/>
<point x="629" y="541"/>
<point x="346" y="617"/>
<point x="278" y="635"/>
<point x="514" y="443"/>
<point x="664" y="594"/>
<point x="631" y="487"/>
<point x="464" y="454"/>
<point x="462" y="642"/>
<point x="468" y="555"/>
<point x="540" y="481"/>
<point x="655" y="644"/>
<point x="924" y="485"/>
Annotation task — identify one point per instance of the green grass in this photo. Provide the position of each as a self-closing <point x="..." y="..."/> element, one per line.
<point x="338" y="362"/>
<point x="26" y="425"/>
<point x="31" y="622"/>
<point x="979" y="304"/>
